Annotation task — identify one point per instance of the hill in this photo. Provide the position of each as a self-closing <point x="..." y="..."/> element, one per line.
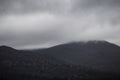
<point x="100" y="55"/>
<point x="57" y="63"/>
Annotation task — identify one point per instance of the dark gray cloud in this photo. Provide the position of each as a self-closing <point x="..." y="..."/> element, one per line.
<point x="31" y="6"/>
<point x="54" y="5"/>
<point x="30" y="23"/>
<point x="98" y="3"/>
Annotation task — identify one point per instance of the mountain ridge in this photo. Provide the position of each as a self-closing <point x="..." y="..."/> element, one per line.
<point x="101" y="55"/>
<point x="62" y="62"/>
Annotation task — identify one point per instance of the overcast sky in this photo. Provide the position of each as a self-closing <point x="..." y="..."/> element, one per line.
<point x="44" y="23"/>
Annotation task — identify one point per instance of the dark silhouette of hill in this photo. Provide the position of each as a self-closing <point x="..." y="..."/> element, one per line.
<point x="6" y="49"/>
<point x="100" y="55"/>
<point x="56" y="63"/>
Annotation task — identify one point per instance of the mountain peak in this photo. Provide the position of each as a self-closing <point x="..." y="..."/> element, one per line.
<point x="89" y="42"/>
<point x="5" y="48"/>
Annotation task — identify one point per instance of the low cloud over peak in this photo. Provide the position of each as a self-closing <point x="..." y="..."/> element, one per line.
<point x="30" y="24"/>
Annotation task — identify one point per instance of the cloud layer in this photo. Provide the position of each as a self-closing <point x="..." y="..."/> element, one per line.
<point x="44" y="23"/>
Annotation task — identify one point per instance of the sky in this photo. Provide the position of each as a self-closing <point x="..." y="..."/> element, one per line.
<point x="27" y="24"/>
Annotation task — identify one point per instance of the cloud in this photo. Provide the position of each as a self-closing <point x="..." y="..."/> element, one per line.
<point x="28" y="22"/>
<point x="45" y="23"/>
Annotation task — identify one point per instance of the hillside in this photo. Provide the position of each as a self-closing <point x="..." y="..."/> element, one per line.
<point x="56" y="63"/>
<point x="100" y="55"/>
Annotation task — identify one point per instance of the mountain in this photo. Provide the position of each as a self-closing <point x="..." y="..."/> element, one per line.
<point x="27" y="65"/>
<point x="62" y="62"/>
<point x="6" y="49"/>
<point x="100" y="55"/>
